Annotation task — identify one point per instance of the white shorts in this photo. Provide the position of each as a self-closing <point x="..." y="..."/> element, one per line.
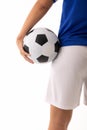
<point x="68" y="73"/>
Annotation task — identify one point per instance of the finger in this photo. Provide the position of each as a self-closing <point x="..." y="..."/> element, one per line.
<point x="24" y="53"/>
<point x="28" y="59"/>
<point x="26" y="56"/>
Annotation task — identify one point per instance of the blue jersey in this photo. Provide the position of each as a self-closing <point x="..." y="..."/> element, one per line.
<point x="73" y="26"/>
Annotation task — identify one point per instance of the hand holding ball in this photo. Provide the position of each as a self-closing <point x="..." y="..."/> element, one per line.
<point x="42" y="44"/>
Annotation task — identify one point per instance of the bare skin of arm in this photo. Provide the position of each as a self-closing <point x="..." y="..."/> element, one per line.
<point x="37" y="12"/>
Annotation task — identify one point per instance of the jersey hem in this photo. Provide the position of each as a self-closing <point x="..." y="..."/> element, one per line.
<point x="74" y="43"/>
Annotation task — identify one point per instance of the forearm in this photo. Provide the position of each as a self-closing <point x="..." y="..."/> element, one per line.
<point x="38" y="11"/>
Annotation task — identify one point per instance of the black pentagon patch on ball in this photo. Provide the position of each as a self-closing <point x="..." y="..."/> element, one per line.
<point x="26" y="48"/>
<point x="57" y="46"/>
<point x="41" y="39"/>
<point x="42" y="59"/>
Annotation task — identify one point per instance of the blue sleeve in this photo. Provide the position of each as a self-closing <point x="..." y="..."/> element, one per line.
<point x="54" y="1"/>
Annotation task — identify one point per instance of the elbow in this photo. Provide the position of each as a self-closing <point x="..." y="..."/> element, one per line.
<point x="44" y="5"/>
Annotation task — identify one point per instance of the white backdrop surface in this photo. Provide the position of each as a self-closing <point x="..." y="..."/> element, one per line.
<point x="22" y="85"/>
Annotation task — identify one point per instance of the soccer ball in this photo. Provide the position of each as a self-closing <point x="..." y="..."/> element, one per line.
<point x="42" y="44"/>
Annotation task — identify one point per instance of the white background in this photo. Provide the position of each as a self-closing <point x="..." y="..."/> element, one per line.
<point x="22" y="85"/>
